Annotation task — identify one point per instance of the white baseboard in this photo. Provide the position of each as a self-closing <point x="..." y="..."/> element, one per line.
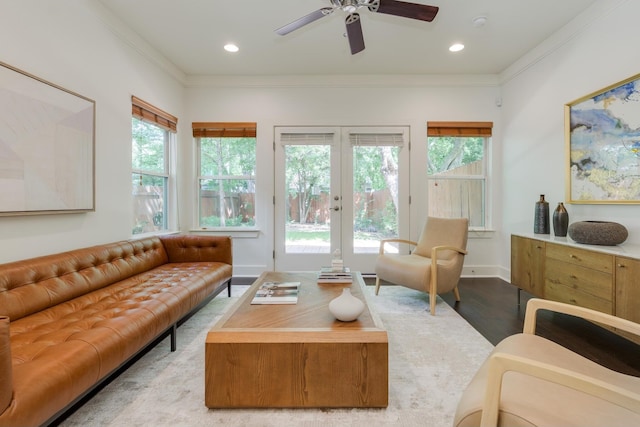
<point x="469" y="271"/>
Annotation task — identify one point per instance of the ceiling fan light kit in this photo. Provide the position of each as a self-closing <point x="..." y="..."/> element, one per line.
<point x="352" y="22"/>
<point x="479" y="21"/>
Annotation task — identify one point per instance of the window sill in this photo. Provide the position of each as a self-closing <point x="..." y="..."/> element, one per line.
<point x="237" y="232"/>
<point x="153" y="233"/>
<point x="481" y="233"/>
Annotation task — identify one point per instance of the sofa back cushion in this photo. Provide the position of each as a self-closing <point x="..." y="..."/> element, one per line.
<point x="32" y="285"/>
<point x="6" y="373"/>
<point x="198" y="248"/>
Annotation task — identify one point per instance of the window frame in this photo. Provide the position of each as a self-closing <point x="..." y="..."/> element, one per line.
<point x="167" y="123"/>
<point x="202" y="130"/>
<point x="467" y="130"/>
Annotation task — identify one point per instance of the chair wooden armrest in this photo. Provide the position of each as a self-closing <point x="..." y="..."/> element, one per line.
<point x="535" y="304"/>
<point x="500" y="363"/>
<point x="385" y="241"/>
<point x="436" y="249"/>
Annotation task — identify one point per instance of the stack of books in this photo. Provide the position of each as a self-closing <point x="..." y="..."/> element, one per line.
<point x="277" y="293"/>
<point x="335" y="275"/>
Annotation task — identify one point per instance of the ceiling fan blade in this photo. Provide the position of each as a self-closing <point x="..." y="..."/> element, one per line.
<point x="404" y="9"/>
<point x="307" y="19"/>
<point x="354" y="33"/>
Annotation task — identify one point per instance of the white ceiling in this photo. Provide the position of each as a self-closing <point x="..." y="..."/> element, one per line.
<point x="190" y="34"/>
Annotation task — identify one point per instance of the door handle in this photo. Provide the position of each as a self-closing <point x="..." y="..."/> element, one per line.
<point x="336" y="208"/>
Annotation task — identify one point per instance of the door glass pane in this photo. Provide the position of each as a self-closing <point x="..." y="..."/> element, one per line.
<point x="308" y="214"/>
<point x="375" y="196"/>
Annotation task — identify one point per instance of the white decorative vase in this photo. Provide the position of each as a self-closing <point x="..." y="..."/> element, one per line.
<point x="346" y="307"/>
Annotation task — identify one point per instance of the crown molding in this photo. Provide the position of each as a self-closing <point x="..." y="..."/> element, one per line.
<point x="560" y="38"/>
<point x="351" y="81"/>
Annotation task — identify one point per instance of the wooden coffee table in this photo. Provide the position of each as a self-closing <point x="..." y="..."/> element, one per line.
<point x="287" y="356"/>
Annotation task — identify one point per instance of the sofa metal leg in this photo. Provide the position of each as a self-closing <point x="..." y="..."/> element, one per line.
<point x="174" y="333"/>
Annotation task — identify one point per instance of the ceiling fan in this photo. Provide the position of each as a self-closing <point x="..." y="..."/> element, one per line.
<point x="354" y="28"/>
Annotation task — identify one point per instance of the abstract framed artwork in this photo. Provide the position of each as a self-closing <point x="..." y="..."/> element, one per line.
<point x="47" y="146"/>
<point x="602" y="133"/>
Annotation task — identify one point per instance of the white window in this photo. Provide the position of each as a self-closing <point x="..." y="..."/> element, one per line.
<point x="226" y="159"/>
<point x="457" y="171"/>
<point x="153" y="134"/>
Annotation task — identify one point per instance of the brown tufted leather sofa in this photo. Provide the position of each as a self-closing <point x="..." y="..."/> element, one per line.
<point x="69" y="320"/>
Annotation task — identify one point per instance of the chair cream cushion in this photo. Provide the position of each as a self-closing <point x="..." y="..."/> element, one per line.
<point x="443" y="231"/>
<point x="540" y="403"/>
<point x="413" y="272"/>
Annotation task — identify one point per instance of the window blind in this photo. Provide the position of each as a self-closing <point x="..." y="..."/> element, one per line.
<point x="470" y="129"/>
<point x="376" y="139"/>
<point x="224" y="129"/>
<point x="147" y="112"/>
<point x="306" y="138"/>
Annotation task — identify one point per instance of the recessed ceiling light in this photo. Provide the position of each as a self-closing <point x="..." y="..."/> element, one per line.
<point x="456" y="47"/>
<point x="230" y="47"/>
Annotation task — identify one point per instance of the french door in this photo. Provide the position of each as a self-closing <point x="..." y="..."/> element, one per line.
<point x="338" y="190"/>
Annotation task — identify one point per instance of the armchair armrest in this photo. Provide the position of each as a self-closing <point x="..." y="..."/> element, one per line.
<point x="535" y="304"/>
<point x="436" y="249"/>
<point x="500" y="363"/>
<point x="385" y="241"/>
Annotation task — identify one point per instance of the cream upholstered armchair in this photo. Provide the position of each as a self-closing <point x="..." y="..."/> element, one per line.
<point x="529" y="381"/>
<point x="434" y="265"/>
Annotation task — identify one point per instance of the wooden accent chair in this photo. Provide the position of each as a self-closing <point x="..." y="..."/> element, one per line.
<point x="530" y="381"/>
<point x="434" y="265"/>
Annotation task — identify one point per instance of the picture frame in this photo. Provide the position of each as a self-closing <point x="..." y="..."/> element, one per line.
<point x="47" y="147"/>
<point x="602" y="139"/>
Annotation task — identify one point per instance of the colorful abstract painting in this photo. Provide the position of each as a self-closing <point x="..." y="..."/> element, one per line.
<point x="603" y="137"/>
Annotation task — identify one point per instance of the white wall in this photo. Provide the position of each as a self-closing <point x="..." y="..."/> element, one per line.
<point x="68" y="43"/>
<point x="316" y="101"/>
<point x="603" y="51"/>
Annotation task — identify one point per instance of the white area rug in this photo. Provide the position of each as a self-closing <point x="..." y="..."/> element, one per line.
<point x="431" y="360"/>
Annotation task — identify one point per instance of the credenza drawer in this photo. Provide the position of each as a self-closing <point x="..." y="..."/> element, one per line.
<point x="582" y="279"/>
<point x="593" y="260"/>
<point x="562" y="293"/>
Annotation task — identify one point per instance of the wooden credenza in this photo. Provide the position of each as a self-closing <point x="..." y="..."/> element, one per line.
<point x="604" y="278"/>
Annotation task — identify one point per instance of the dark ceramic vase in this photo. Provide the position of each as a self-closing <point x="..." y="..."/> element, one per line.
<point x="541" y="220"/>
<point x="560" y="221"/>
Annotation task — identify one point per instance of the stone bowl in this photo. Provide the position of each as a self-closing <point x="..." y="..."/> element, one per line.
<point x="603" y="233"/>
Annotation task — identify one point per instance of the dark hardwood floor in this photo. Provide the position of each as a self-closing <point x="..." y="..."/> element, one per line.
<point x="490" y="305"/>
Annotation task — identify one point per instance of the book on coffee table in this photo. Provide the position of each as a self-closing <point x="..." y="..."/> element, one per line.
<point x="332" y="275"/>
<point x="277" y="293"/>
